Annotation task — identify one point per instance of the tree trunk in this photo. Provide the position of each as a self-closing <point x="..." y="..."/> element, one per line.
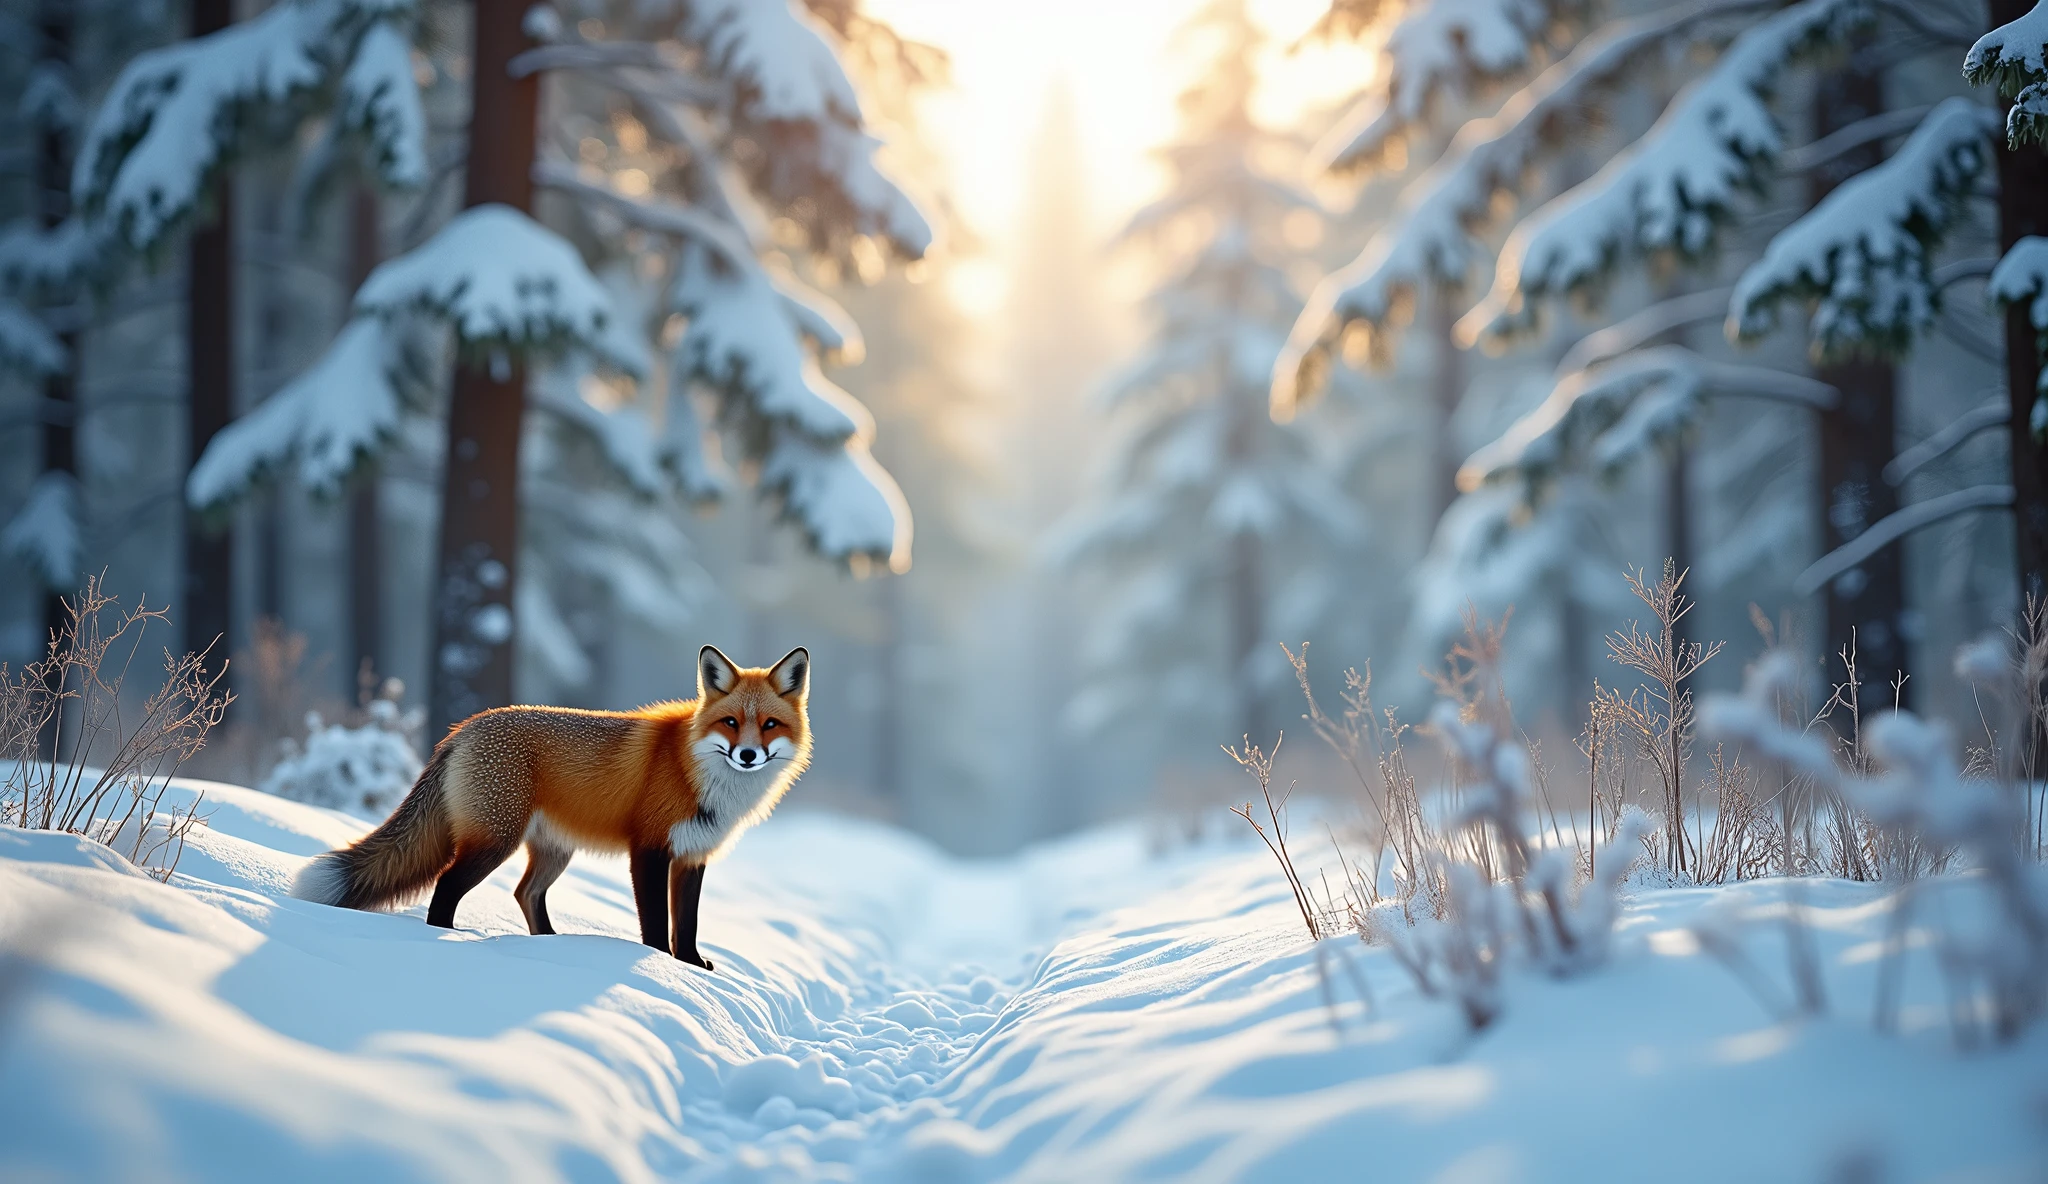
<point x="53" y="180"/>
<point x="1446" y="389"/>
<point x="208" y="592"/>
<point x="365" y="524"/>
<point x="477" y="561"/>
<point x="1866" y="606"/>
<point x="2023" y="210"/>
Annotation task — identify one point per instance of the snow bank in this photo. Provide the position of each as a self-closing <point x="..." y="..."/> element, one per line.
<point x="1081" y="1012"/>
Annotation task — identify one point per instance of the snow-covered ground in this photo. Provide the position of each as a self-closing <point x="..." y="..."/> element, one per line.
<point x="1083" y="1012"/>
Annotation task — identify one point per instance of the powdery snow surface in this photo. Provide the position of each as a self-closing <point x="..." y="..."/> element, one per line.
<point x="1083" y="1012"/>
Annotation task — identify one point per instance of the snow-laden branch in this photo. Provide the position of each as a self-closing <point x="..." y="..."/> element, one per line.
<point x="380" y="100"/>
<point x="662" y="217"/>
<point x="1895" y="526"/>
<point x="1862" y="254"/>
<point x="777" y="55"/>
<point x="1992" y="413"/>
<point x="45" y="534"/>
<point x="1672" y="189"/>
<point x="1440" y="51"/>
<point x="816" y="315"/>
<point x="623" y="434"/>
<point x="1639" y="328"/>
<point x="790" y="93"/>
<point x="2021" y="277"/>
<point x="1428" y="238"/>
<point x="744" y="340"/>
<point x="1844" y="140"/>
<point x="344" y="410"/>
<point x="599" y="58"/>
<point x="49" y="263"/>
<point x="27" y="346"/>
<point x="1492" y="549"/>
<point x="503" y="282"/>
<point x="1607" y="415"/>
<point x="178" y="114"/>
<point x="2014" y="58"/>
<point x="843" y="501"/>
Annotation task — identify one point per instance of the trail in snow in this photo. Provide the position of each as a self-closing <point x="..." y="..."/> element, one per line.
<point x="1082" y="1012"/>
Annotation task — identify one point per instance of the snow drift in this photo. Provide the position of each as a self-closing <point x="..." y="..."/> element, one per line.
<point x="1085" y="1011"/>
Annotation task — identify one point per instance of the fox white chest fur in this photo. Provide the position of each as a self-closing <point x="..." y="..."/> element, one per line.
<point x="730" y="801"/>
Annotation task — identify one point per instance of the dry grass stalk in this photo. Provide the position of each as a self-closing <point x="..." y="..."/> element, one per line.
<point x="1659" y="714"/>
<point x="66" y="709"/>
<point x="1260" y="765"/>
<point x="1370" y="744"/>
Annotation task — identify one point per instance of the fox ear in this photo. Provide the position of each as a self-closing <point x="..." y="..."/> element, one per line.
<point x="716" y="674"/>
<point x="792" y="676"/>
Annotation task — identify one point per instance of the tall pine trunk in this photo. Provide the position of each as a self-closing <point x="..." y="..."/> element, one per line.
<point x="53" y="200"/>
<point x="208" y="591"/>
<point x="2023" y="210"/>
<point x="477" y="561"/>
<point x="365" y="523"/>
<point x="1866" y="606"/>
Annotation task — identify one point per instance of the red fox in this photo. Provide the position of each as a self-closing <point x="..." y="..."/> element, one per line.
<point x="672" y="784"/>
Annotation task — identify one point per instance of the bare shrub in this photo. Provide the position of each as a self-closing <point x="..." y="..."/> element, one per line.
<point x="1901" y="778"/>
<point x="1369" y="742"/>
<point x="66" y="709"/>
<point x="1494" y="888"/>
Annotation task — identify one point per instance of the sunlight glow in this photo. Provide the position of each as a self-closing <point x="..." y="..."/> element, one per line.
<point x="1121" y="62"/>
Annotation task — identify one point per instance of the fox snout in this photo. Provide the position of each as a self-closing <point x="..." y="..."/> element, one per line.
<point x="747" y="756"/>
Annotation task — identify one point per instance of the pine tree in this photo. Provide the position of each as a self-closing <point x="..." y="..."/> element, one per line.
<point x="713" y="110"/>
<point x="2013" y="57"/>
<point x="1213" y="514"/>
<point x="1862" y="259"/>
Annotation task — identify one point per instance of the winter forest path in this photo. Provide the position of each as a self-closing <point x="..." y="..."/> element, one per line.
<point x="1083" y="1011"/>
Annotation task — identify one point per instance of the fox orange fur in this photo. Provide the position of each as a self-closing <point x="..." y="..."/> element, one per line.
<point x="672" y="784"/>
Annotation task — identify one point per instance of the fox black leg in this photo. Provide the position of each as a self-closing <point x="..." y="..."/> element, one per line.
<point x="469" y="869"/>
<point x="650" y="894"/>
<point x="685" y="886"/>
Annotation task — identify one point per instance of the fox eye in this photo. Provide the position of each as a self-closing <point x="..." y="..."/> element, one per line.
<point x="770" y="723"/>
<point x="730" y="722"/>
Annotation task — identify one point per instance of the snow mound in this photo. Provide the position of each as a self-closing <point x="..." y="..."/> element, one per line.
<point x="1083" y="1011"/>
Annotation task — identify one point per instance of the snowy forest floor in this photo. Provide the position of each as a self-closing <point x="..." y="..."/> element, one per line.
<point x="1085" y="1011"/>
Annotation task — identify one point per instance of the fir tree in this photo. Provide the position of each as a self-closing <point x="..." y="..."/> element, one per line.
<point x="1213" y="515"/>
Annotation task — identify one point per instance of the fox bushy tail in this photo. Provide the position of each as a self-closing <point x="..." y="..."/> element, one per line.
<point x="400" y="859"/>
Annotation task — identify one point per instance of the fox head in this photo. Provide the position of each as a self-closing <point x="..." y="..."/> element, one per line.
<point x="753" y="719"/>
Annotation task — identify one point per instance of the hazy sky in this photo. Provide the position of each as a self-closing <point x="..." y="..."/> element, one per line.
<point x="1120" y="61"/>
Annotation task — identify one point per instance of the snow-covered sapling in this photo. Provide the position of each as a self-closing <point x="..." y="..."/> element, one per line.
<point x="363" y="768"/>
